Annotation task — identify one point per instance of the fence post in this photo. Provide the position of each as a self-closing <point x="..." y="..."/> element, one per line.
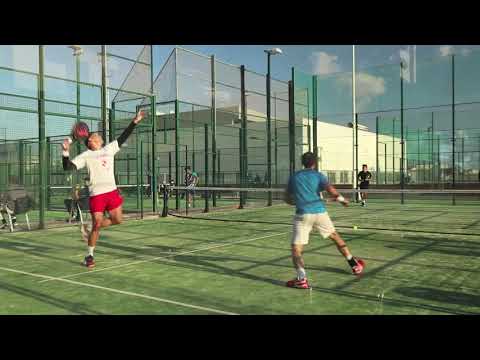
<point x="206" y="167"/>
<point x="41" y="136"/>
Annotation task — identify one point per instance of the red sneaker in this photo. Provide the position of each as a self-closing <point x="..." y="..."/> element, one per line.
<point x="358" y="269"/>
<point x="299" y="284"/>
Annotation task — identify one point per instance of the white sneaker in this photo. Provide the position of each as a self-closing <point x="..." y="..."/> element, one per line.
<point x="85" y="232"/>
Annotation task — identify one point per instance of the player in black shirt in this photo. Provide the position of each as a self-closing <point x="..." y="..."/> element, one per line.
<point x="364" y="177"/>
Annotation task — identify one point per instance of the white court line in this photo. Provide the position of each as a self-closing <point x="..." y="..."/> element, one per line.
<point x="163" y="257"/>
<point x="120" y="292"/>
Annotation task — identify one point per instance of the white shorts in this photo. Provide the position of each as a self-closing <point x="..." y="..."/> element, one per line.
<point x="303" y="224"/>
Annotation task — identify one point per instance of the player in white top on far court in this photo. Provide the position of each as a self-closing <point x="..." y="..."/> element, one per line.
<point x="304" y="189"/>
<point x="104" y="195"/>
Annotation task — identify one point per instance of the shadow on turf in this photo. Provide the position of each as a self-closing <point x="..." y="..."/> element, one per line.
<point x="444" y="247"/>
<point x="449" y="297"/>
<point x="47" y="299"/>
<point x="37" y="250"/>
<point x="211" y="264"/>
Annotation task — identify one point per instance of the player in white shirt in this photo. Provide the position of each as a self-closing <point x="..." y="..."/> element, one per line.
<point x="104" y="195"/>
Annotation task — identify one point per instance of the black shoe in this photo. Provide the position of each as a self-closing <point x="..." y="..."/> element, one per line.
<point x="89" y="262"/>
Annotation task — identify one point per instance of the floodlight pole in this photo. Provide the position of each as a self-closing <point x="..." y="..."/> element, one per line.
<point x="402" y="142"/>
<point x="41" y="135"/>
<point x="269" y="135"/>
<point x="354" y="121"/>
<point x="315" y="118"/>
<point x="453" y="128"/>
<point x="104" y="93"/>
<point x="376" y="150"/>
<point x="76" y="54"/>
<point x="214" y="129"/>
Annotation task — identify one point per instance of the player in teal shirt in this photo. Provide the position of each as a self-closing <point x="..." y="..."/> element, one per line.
<point x="303" y="191"/>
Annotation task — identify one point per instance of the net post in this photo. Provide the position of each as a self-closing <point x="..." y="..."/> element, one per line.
<point x="206" y="168"/>
<point x="41" y="136"/>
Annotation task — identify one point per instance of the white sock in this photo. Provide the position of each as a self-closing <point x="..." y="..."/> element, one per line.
<point x="301" y="274"/>
<point x="90" y="250"/>
<point x="349" y="257"/>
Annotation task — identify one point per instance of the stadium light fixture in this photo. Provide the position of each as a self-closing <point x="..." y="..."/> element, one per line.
<point x="274" y="51"/>
<point x="77" y="50"/>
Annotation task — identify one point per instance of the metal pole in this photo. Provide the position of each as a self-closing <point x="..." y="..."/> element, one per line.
<point x="41" y="136"/>
<point x="243" y="145"/>
<point x="170" y="167"/>
<point x="309" y="137"/>
<point x="402" y="142"/>
<point x="128" y="169"/>
<point x="438" y="160"/>
<point x="153" y="182"/>
<point x="240" y="139"/>
<point x="356" y="156"/>
<point x="177" y="155"/>
<point x="218" y="169"/>
<point x="463" y="159"/>
<point x="206" y="168"/>
<point x="142" y="190"/>
<point x="291" y="121"/>
<point x="385" y="164"/>
<point x="77" y="80"/>
<point x="137" y="167"/>
<point x="315" y="118"/>
<point x="104" y="94"/>
<point x="49" y="167"/>
<point x="453" y="128"/>
<point x="269" y="134"/>
<point x="193" y="152"/>
<point x="418" y="153"/>
<point x="214" y="130"/>
<point x="354" y="118"/>
<point x="21" y="163"/>
<point x="432" y="164"/>
<point x="393" y="152"/>
<point x="376" y="150"/>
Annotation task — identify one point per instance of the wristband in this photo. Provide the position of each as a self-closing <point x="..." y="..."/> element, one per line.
<point x="65" y="153"/>
<point x="340" y="198"/>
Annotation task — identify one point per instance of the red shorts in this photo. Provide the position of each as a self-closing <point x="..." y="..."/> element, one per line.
<point x="108" y="201"/>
